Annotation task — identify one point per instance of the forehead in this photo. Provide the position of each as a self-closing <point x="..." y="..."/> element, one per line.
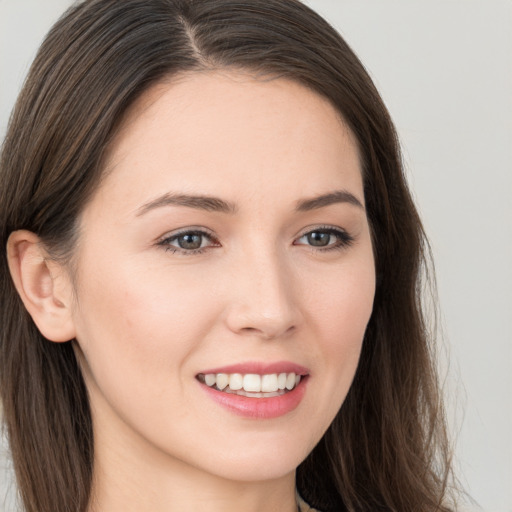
<point x="221" y="132"/>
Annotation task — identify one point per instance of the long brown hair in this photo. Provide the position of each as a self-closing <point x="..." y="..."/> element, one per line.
<point x="387" y="448"/>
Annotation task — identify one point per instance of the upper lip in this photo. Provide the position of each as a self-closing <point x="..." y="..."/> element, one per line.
<point x="259" y="368"/>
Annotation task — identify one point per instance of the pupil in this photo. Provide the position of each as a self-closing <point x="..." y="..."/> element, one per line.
<point x="190" y="241"/>
<point x="319" y="239"/>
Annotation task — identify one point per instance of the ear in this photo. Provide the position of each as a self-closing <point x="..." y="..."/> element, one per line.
<point x="43" y="285"/>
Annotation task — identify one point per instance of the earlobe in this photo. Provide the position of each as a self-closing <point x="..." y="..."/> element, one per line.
<point x="43" y="285"/>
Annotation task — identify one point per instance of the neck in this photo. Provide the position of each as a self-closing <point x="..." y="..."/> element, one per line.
<point x="188" y="493"/>
<point x="149" y="481"/>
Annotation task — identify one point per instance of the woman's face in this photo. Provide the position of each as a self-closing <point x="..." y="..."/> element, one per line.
<point x="227" y="247"/>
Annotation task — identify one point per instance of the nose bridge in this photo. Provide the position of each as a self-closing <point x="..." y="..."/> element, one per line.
<point x="263" y="304"/>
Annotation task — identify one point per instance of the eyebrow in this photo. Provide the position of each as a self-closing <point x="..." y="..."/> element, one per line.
<point x="215" y="204"/>
<point x="207" y="203"/>
<point x="338" y="196"/>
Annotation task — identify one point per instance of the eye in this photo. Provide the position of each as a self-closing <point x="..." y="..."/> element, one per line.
<point x="188" y="242"/>
<point x="326" y="238"/>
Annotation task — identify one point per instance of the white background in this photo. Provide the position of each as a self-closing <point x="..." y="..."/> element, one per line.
<point x="444" y="68"/>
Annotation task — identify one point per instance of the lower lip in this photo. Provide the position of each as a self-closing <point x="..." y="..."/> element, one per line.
<point x="259" y="408"/>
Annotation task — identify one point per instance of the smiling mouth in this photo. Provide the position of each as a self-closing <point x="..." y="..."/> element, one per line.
<point x="251" y="385"/>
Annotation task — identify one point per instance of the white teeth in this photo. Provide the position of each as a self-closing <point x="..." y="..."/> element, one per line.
<point x="210" y="379"/>
<point x="236" y="381"/>
<point x="222" y="380"/>
<point x="290" y="381"/>
<point x="252" y="384"/>
<point x="255" y="395"/>
<point x="269" y="383"/>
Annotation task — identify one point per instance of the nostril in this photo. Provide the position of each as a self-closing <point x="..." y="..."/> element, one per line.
<point x="269" y="332"/>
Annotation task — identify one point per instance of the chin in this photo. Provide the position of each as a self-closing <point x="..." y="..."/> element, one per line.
<point x="250" y="471"/>
<point x="257" y="465"/>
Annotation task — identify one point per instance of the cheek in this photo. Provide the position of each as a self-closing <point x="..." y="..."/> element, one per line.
<point x="134" y="321"/>
<point x="340" y="311"/>
<point x="137" y="297"/>
<point x="137" y="332"/>
<point x="341" y="305"/>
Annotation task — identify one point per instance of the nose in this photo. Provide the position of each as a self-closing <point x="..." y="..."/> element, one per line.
<point x="263" y="299"/>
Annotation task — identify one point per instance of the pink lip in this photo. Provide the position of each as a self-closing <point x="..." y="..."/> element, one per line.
<point x="258" y="408"/>
<point x="260" y="368"/>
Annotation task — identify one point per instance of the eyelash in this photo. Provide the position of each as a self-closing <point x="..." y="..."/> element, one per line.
<point x="166" y="242"/>
<point x="344" y="240"/>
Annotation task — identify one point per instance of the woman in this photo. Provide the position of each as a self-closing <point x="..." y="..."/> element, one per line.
<point x="211" y="283"/>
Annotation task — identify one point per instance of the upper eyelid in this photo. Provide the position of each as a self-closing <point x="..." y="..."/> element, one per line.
<point x="322" y="227"/>
<point x="345" y="238"/>
<point x="172" y="235"/>
<point x="183" y="231"/>
<point x="165" y="241"/>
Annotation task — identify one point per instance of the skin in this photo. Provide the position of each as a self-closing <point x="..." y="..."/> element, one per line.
<point x="148" y="317"/>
